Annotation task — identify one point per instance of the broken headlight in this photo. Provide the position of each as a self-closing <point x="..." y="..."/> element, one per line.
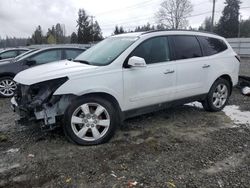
<point x="42" y="92"/>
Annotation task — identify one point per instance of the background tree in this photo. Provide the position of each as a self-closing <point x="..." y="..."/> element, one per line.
<point x="229" y="21"/>
<point x="96" y="32"/>
<point x="84" y="27"/>
<point x="37" y="37"/>
<point x="73" y="38"/>
<point x="245" y="28"/>
<point x="118" y="30"/>
<point x="173" y="13"/>
<point x="206" y="25"/>
<point x="59" y="33"/>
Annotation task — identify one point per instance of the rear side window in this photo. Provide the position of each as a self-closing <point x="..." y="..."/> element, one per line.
<point x="72" y="54"/>
<point x="8" y="54"/>
<point x="154" y="50"/>
<point x="47" y="56"/>
<point x="212" y="46"/>
<point x="186" y="47"/>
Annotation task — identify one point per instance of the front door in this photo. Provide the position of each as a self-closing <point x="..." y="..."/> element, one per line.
<point x="154" y="83"/>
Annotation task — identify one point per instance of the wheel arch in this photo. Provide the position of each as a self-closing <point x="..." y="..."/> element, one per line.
<point x="7" y="74"/>
<point x="229" y="79"/>
<point x="109" y="98"/>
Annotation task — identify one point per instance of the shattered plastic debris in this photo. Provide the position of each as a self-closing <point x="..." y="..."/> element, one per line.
<point x="13" y="150"/>
<point x="68" y="180"/>
<point x="31" y="155"/>
<point x="246" y="91"/>
<point x="171" y="184"/>
<point x="113" y="174"/>
<point x="132" y="183"/>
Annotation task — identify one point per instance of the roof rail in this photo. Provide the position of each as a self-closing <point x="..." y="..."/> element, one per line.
<point x="152" y="31"/>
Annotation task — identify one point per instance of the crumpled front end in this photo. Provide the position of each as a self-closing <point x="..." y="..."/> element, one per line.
<point x="37" y="102"/>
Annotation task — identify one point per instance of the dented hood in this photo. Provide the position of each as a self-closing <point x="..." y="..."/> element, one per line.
<point x="51" y="71"/>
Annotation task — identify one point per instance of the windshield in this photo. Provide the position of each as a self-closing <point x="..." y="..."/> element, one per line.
<point x="106" y="51"/>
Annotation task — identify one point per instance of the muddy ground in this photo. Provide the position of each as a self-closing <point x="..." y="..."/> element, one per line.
<point x="179" y="147"/>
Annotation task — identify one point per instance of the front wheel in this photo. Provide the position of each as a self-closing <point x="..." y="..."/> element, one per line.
<point x="7" y="86"/>
<point x="90" y="121"/>
<point x="218" y="96"/>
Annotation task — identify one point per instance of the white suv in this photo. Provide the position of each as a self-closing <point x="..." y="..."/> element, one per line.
<point x="124" y="76"/>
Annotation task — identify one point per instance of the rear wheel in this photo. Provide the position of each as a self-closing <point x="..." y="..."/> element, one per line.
<point x="90" y="121"/>
<point x="7" y="86"/>
<point x="218" y="96"/>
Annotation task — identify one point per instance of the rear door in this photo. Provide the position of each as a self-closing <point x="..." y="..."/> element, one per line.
<point x="154" y="83"/>
<point x="190" y="65"/>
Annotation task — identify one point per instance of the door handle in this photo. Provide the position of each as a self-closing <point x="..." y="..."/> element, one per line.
<point x="205" y="66"/>
<point x="169" y="71"/>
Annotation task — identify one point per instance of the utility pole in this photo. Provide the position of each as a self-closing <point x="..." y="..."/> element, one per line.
<point x="240" y="17"/>
<point x="212" y="24"/>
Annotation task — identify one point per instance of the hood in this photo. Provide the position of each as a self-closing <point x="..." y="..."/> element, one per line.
<point x="51" y="71"/>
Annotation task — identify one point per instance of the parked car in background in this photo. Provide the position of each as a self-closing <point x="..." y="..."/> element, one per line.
<point x="9" y="69"/>
<point x="17" y="57"/>
<point x="11" y="53"/>
<point x="124" y="76"/>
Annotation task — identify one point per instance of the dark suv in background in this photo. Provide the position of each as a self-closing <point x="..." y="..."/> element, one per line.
<point x="11" y="53"/>
<point x="9" y="69"/>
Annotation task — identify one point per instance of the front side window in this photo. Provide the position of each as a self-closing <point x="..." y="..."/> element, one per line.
<point x="212" y="46"/>
<point x="47" y="56"/>
<point x="8" y="54"/>
<point x="106" y="51"/>
<point x="153" y="50"/>
<point x="186" y="47"/>
<point x="72" y="54"/>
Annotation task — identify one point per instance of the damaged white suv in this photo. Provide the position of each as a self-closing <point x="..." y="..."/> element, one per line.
<point x="124" y="76"/>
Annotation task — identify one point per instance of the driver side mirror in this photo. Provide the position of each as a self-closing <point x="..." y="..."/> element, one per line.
<point x="136" y="62"/>
<point x="30" y="62"/>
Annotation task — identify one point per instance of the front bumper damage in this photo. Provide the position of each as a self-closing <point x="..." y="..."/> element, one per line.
<point x="37" y="103"/>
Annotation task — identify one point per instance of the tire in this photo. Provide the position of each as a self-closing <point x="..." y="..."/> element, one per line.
<point x="218" y="96"/>
<point x="7" y="86"/>
<point x="90" y="121"/>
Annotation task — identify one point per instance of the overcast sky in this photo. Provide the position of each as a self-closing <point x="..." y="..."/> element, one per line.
<point x="19" y="18"/>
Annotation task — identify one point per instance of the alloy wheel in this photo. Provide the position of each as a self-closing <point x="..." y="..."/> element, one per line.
<point x="7" y="87"/>
<point x="220" y="95"/>
<point x="90" y="121"/>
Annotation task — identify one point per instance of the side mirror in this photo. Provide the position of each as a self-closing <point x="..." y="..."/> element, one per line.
<point x="0" y="57"/>
<point x="30" y="62"/>
<point x="136" y="62"/>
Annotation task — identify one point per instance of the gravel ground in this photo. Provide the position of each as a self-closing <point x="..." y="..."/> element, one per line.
<point x="178" y="147"/>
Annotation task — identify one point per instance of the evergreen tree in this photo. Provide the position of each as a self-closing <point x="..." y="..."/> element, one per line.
<point x="84" y="27"/>
<point x="229" y="21"/>
<point x="118" y="30"/>
<point x="245" y="28"/>
<point x="96" y="32"/>
<point x="37" y="37"/>
<point x="73" y="38"/>
<point x="206" y="25"/>
<point x="59" y="33"/>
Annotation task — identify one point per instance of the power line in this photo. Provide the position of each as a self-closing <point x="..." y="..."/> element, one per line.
<point x="138" y="5"/>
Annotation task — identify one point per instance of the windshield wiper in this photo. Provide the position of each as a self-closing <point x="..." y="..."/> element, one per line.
<point x="81" y="61"/>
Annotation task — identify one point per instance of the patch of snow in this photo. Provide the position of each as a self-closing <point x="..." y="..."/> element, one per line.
<point x="195" y="104"/>
<point x="237" y="116"/>
<point x="246" y="90"/>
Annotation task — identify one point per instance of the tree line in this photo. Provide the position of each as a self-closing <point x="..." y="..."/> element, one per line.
<point x="172" y="14"/>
